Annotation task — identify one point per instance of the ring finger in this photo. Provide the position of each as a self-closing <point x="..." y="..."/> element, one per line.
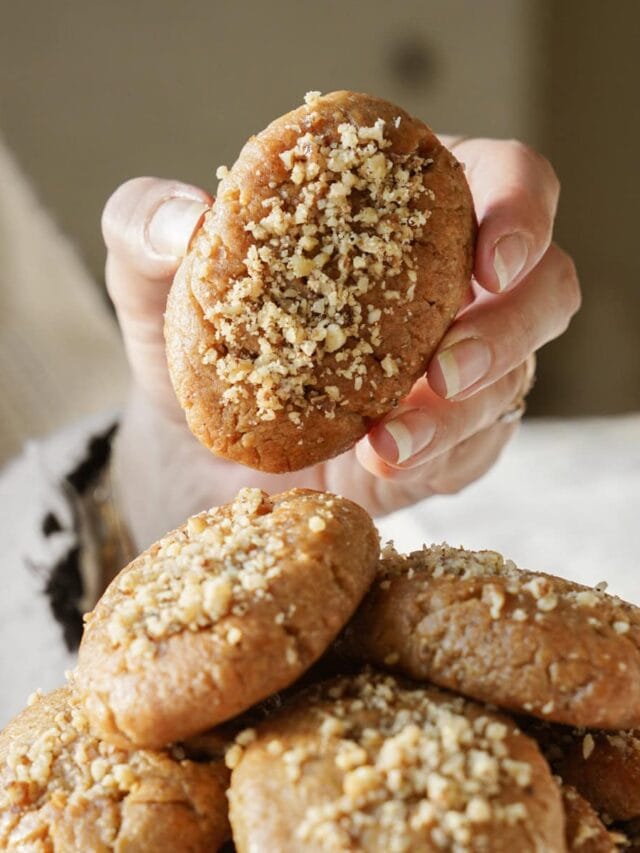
<point x="496" y="333"/>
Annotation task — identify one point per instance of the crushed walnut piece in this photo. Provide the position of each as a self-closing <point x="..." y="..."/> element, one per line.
<point x="422" y="762"/>
<point x="342" y="225"/>
<point x="198" y="575"/>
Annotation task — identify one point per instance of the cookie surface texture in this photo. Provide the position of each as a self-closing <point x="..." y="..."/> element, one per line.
<point x="533" y="643"/>
<point x="337" y="253"/>
<point x="62" y="789"/>
<point x="367" y="763"/>
<point x="221" y="613"/>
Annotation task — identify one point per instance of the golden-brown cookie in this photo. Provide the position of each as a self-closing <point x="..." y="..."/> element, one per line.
<point x="338" y="251"/>
<point x="584" y="831"/>
<point x="529" y="642"/>
<point x="603" y="766"/>
<point x="63" y="790"/>
<point x="230" y="608"/>
<point x="372" y="764"/>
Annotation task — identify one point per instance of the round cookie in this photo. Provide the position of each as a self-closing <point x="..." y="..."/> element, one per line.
<point x="372" y="764"/>
<point x="62" y="789"/>
<point x="338" y="251"/>
<point x="221" y="613"/>
<point x="529" y="642"/>
<point x="584" y="831"/>
<point x="603" y="766"/>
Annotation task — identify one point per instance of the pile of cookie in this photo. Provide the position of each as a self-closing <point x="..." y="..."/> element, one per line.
<point x="266" y="674"/>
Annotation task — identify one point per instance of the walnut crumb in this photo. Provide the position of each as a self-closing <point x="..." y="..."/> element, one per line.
<point x="588" y="745"/>
<point x="233" y="755"/>
<point x="234" y="635"/>
<point x="317" y="524"/>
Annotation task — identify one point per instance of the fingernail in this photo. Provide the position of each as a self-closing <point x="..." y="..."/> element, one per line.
<point x="463" y="364"/>
<point x="401" y="438"/>
<point x="509" y="258"/>
<point x="171" y="227"/>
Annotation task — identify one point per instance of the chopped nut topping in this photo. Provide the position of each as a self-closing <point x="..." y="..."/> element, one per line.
<point x="192" y="579"/>
<point x="428" y="764"/>
<point x="65" y="762"/>
<point x="546" y="592"/>
<point x="343" y="224"/>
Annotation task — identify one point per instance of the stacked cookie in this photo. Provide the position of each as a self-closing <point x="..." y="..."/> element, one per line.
<point x="381" y="739"/>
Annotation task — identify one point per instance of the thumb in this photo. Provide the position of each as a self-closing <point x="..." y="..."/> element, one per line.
<point x="147" y="225"/>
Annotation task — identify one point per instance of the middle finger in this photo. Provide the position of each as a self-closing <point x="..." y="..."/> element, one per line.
<point x="426" y="426"/>
<point x="497" y="333"/>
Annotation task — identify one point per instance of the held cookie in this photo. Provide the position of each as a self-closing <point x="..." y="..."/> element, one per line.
<point x="529" y="642"/>
<point x="584" y="831"/>
<point x="372" y="764"/>
<point x="221" y="613"/>
<point x="338" y="251"/>
<point x="62" y="789"/>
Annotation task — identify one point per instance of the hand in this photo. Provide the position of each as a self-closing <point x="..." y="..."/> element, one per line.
<point x="446" y="433"/>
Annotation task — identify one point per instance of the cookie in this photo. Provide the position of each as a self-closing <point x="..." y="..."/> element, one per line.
<point x="62" y="789"/>
<point x="337" y="253"/>
<point x="226" y="610"/>
<point x="603" y="766"/>
<point x="584" y="831"/>
<point x="373" y="764"/>
<point x="529" y="642"/>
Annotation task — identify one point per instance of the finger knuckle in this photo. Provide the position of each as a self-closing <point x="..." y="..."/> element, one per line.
<point x="117" y="211"/>
<point x="522" y="151"/>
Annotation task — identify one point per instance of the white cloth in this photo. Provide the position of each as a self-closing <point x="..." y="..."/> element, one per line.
<point x="564" y="499"/>
<point x="33" y="653"/>
<point x="61" y="357"/>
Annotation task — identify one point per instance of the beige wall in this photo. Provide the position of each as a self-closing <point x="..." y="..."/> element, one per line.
<point x="92" y="93"/>
<point x="592" y="128"/>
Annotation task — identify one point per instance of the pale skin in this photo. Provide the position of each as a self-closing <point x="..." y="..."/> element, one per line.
<point x="445" y="434"/>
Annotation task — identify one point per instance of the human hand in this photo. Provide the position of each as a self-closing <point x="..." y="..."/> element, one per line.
<point x="445" y="434"/>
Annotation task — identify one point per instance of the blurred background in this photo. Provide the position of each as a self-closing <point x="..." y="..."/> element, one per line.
<point x="92" y="93"/>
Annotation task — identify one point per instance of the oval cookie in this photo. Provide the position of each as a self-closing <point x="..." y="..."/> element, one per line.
<point x="62" y="789"/>
<point x="533" y="643"/>
<point x="338" y="251"/>
<point x="372" y="764"/>
<point x="221" y="613"/>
